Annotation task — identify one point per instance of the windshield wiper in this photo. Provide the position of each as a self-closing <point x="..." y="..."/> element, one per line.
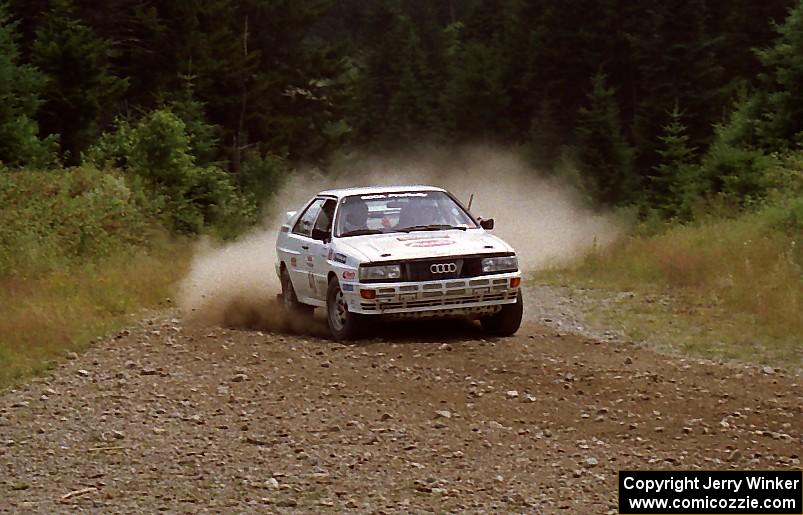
<point x="361" y="232"/>
<point x="431" y="227"/>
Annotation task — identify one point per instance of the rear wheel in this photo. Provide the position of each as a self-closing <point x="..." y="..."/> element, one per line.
<point x="507" y="321"/>
<point x="289" y="298"/>
<point x="343" y="324"/>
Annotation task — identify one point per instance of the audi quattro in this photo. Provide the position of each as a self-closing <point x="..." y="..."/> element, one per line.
<point x="400" y="252"/>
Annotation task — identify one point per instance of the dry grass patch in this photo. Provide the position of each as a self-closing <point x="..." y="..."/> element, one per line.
<point x="736" y="288"/>
<point x="48" y="314"/>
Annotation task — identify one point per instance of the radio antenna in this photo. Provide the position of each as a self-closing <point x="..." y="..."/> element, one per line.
<point x="470" y="201"/>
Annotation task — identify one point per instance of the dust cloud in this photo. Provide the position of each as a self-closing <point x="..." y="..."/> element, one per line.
<point x="236" y="284"/>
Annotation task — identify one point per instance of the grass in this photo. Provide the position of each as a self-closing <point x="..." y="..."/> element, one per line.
<point x="724" y="288"/>
<point x="44" y="316"/>
<point x="80" y="250"/>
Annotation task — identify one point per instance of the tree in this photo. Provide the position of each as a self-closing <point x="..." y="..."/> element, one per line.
<point x="81" y="91"/>
<point x="676" y="63"/>
<point x="20" y="85"/>
<point x="604" y="156"/>
<point x="667" y="181"/>
<point x="782" y="124"/>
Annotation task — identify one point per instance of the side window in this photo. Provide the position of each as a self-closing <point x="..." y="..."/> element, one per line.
<point x="304" y="224"/>
<point x="324" y="221"/>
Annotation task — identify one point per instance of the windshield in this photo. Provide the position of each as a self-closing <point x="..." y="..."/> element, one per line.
<point x="400" y="212"/>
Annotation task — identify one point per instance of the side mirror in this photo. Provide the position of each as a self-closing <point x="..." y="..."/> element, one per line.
<point x="320" y="234"/>
<point x="289" y="215"/>
<point x="488" y="224"/>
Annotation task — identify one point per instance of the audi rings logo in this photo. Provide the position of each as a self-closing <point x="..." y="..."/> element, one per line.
<point x="443" y="268"/>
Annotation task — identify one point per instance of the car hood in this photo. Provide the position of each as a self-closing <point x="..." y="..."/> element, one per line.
<point x="424" y="244"/>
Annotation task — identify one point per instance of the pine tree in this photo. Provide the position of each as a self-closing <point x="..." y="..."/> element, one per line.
<point x="667" y="181"/>
<point x="604" y="156"/>
<point x="676" y="63"/>
<point x="81" y="90"/>
<point x="782" y="85"/>
<point x="19" y="101"/>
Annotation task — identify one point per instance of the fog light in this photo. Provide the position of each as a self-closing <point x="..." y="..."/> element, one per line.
<point x="515" y="282"/>
<point x="368" y="294"/>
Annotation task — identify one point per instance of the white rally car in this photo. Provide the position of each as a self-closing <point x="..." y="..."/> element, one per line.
<point x="408" y="251"/>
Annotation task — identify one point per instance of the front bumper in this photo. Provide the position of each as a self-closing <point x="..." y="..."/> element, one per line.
<point x="475" y="296"/>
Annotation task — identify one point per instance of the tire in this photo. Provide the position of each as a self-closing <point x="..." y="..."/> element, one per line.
<point x="507" y="321"/>
<point x="290" y="300"/>
<point x="343" y="324"/>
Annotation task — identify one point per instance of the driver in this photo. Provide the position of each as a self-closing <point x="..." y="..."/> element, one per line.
<point x="419" y="212"/>
<point x="355" y="216"/>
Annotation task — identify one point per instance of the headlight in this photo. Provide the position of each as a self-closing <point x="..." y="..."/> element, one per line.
<point x="500" y="264"/>
<point x="379" y="273"/>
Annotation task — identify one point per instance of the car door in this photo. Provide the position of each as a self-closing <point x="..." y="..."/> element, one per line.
<point x="319" y="250"/>
<point x="301" y="261"/>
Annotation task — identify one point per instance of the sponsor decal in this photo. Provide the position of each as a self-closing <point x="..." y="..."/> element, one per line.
<point x="394" y="195"/>
<point x="420" y="236"/>
<point x="430" y="243"/>
<point x="340" y="258"/>
<point x="347" y="287"/>
<point x="349" y="274"/>
<point x="329" y="255"/>
<point x="293" y="261"/>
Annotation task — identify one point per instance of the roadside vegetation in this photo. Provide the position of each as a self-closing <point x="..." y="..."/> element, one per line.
<point x="728" y="284"/>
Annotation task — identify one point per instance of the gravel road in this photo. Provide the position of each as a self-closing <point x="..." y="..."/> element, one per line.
<point x="425" y="417"/>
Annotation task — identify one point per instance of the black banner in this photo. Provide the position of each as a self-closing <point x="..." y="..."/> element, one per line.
<point x="713" y="492"/>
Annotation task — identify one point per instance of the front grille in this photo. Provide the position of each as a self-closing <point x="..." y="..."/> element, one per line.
<point x="422" y="270"/>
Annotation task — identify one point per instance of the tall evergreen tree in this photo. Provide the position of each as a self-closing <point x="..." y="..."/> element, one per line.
<point x="20" y="85"/>
<point x="81" y="91"/>
<point x="782" y="85"/>
<point x="676" y="64"/>
<point x="666" y="182"/>
<point x="603" y="154"/>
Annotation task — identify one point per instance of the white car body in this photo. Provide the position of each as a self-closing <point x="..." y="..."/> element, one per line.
<point x="431" y="284"/>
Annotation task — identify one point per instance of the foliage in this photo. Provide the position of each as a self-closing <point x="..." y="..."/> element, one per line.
<point x="670" y="178"/>
<point x="781" y="127"/>
<point x="189" y="196"/>
<point x="80" y="85"/>
<point x="55" y="218"/>
<point x="20" y="86"/>
<point x="602" y="152"/>
<point x="705" y="273"/>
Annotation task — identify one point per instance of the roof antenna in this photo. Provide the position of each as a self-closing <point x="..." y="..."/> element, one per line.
<point x="470" y="201"/>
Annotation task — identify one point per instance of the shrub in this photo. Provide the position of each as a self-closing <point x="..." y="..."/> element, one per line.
<point x="190" y="197"/>
<point x="739" y="176"/>
<point x="49" y="219"/>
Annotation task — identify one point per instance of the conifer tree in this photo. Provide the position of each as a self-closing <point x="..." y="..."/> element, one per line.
<point x="81" y="90"/>
<point x="666" y="182"/>
<point x="603" y="154"/>
<point x="19" y="101"/>
<point x="782" y="85"/>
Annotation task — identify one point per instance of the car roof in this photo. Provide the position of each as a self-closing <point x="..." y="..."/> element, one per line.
<point x="374" y="190"/>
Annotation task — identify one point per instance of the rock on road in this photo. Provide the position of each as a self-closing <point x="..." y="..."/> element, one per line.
<point x="424" y="417"/>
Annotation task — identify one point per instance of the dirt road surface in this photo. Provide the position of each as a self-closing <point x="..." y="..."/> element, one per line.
<point x="423" y="417"/>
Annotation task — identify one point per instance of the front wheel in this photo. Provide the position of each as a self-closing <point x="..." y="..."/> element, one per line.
<point x="343" y="324"/>
<point x="507" y="321"/>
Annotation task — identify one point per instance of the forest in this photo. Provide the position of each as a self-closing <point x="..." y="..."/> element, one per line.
<point x="658" y="105"/>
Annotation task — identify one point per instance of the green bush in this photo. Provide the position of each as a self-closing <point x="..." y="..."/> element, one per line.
<point x="190" y="197"/>
<point x="49" y="219"/>
<point x="738" y="175"/>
